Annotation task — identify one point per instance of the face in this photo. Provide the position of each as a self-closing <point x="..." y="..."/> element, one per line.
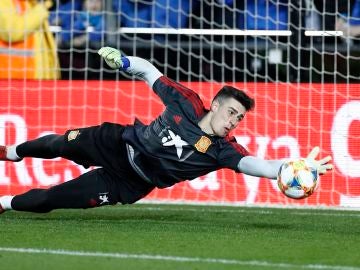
<point x="225" y="116"/>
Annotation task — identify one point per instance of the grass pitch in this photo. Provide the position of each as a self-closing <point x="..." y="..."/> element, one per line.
<point x="144" y="236"/>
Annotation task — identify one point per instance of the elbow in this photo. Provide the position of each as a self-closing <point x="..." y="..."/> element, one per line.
<point x="152" y="77"/>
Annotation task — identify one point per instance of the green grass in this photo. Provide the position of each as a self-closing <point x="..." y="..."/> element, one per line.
<point x="186" y="237"/>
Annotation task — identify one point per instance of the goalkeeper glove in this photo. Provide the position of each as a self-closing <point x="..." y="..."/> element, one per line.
<point x="322" y="165"/>
<point x="111" y="56"/>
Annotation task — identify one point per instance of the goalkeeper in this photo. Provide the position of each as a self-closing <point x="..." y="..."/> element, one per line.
<point x="184" y="142"/>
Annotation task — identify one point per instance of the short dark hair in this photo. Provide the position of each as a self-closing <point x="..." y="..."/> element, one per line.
<point x="232" y="92"/>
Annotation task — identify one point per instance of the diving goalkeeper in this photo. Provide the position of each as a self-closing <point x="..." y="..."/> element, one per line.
<point x="184" y="142"/>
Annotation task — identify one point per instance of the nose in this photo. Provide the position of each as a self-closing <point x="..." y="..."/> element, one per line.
<point x="233" y="122"/>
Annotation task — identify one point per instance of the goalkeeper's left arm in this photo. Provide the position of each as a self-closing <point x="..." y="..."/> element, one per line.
<point x="133" y="65"/>
<point x="269" y="168"/>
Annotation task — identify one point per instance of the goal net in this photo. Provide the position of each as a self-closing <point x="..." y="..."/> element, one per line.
<point x="298" y="59"/>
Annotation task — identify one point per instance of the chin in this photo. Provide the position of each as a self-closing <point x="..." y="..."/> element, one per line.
<point x="222" y="134"/>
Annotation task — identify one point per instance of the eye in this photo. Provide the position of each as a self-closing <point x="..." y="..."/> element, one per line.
<point x="231" y="112"/>
<point x="241" y="117"/>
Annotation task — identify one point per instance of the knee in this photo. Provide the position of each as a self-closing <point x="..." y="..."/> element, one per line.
<point x="56" y="144"/>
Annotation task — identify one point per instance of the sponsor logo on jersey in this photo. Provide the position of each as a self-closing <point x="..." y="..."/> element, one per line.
<point x="174" y="140"/>
<point x="203" y="144"/>
<point x="73" y="134"/>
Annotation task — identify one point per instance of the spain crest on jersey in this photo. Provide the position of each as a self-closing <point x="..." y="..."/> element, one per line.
<point x="203" y="144"/>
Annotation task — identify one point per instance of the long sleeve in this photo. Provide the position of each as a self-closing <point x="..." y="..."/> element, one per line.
<point x="141" y="68"/>
<point x="259" y="167"/>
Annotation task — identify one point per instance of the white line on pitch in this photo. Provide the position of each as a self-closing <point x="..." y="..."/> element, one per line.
<point x="235" y="210"/>
<point x="173" y="258"/>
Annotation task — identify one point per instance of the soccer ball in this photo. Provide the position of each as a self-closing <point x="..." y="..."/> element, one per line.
<point x="297" y="179"/>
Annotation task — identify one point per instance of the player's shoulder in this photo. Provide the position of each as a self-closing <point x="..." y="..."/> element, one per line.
<point x="165" y="81"/>
<point x="170" y="91"/>
<point x="230" y="143"/>
<point x="230" y="139"/>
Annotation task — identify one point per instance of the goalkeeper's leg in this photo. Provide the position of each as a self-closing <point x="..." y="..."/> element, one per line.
<point x="81" y="151"/>
<point x="49" y="146"/>
<point x="91" y="189"/>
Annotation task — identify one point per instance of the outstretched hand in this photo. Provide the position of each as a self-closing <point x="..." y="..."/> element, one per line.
<point x="111" y="56"/>
<point x="322" y="165"/>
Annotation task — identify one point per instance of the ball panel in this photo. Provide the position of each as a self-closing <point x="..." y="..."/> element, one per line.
<point x="295" y="193"/>
<point x="287" y="175"/>
<point x="298" y="165"/>
<point x="306" y="178"/>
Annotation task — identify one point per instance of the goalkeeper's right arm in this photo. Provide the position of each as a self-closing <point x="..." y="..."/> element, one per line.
<point x="133" y="65"/>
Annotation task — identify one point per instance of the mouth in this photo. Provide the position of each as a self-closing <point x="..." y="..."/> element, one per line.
<point x="227" y="130"/>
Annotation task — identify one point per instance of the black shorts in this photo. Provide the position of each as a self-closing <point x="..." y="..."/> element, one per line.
<point x="103" y="146"/>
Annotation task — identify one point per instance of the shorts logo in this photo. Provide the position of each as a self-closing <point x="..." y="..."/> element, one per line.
<point x="104" y="197"/>
<point x="203" y="144"/>
<point x="73" y="134"/>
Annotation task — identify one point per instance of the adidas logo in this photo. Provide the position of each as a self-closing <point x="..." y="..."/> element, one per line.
<point x="177" y="119"/>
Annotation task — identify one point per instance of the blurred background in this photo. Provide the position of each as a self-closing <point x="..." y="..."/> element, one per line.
<point x="81" y="27"/>
<point x="84" y="26"/>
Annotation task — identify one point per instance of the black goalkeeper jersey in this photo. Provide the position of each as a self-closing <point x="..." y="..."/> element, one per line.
<point x="173" y="148"/>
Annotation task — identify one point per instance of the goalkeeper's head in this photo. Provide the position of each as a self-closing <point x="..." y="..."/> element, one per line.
<point x="231" y="92"/>
<point x="227" y="109"/>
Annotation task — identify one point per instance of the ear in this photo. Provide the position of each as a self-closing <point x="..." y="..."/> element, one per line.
<point x="214" y="106"/>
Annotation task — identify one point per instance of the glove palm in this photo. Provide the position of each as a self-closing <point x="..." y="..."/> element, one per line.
<point x="111" y="56"/>
<point x="322" y="165"/>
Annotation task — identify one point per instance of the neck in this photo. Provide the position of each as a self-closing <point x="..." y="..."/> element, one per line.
<point x="204" y="124"/>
